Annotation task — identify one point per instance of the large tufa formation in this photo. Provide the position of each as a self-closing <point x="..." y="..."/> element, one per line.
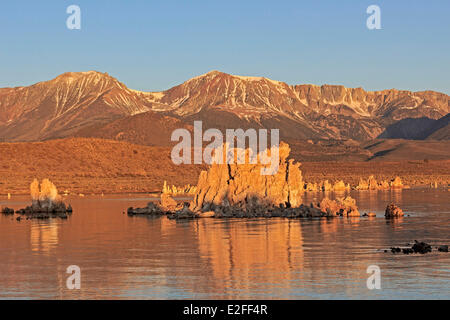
<point x="45" y="201"/>
<point x="244" y="187"/>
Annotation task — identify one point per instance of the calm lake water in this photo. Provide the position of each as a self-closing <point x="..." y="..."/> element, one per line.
<point x="155" y="258"/>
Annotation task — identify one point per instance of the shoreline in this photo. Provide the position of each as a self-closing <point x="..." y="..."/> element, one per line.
<point x="157" y="194"/>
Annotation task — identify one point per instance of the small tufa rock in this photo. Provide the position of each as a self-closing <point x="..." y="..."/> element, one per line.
<point x="46" y="202"/>
<point x="392" y="211"/>
<point x="150" y="210"/>
<point x="342" y="207"/>
<point x="168" y="203"/>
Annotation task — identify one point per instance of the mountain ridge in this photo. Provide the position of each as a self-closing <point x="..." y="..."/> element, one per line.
<point x="74" y="101"/>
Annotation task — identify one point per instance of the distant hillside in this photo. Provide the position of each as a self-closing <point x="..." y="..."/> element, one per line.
<point x="94" y="165"/>
<point x="441" y="129"/>
<point x="90" y="165"/>
<point x="419" y="129"/>
<point x="398" y="149"/>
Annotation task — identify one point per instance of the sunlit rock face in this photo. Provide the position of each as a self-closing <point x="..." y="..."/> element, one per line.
<point x="244" y="187"/>
<point x="44" y="197"/>
<point x="345" y="207"/>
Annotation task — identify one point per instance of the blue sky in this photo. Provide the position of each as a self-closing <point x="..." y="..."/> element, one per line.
<point x="153" y="45"/>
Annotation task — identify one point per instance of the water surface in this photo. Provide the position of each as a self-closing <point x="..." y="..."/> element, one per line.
<point x="125" y="257"/>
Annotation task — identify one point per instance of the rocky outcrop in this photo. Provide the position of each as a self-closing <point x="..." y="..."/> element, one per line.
<point x="243" y="187"/>
<point x="230" y="211"/>
<point x="151" y="209"/>
<point x="167" y="205"/>
<point x="46" y="202"/>
<point x="392" y="211"/>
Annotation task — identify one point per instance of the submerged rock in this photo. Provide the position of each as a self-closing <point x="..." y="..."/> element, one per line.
<point x="421" y="247"/>
<point x="7" y="211"/>
<point x="418" y="248"/>
<point x="184" y="214"/>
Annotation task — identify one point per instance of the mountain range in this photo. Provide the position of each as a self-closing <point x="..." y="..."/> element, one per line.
<point x="94" y="104"/>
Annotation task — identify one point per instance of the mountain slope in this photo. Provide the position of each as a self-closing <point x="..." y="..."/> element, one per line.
<point x="440" y="130"/>
<point x="147" y="128"/>
<point x="95" y="104"/>
<point x="60" y="107"/>
<point x="399" y="149"/>
<point x="419" y="129"/>
<point x="320" y="112"/>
